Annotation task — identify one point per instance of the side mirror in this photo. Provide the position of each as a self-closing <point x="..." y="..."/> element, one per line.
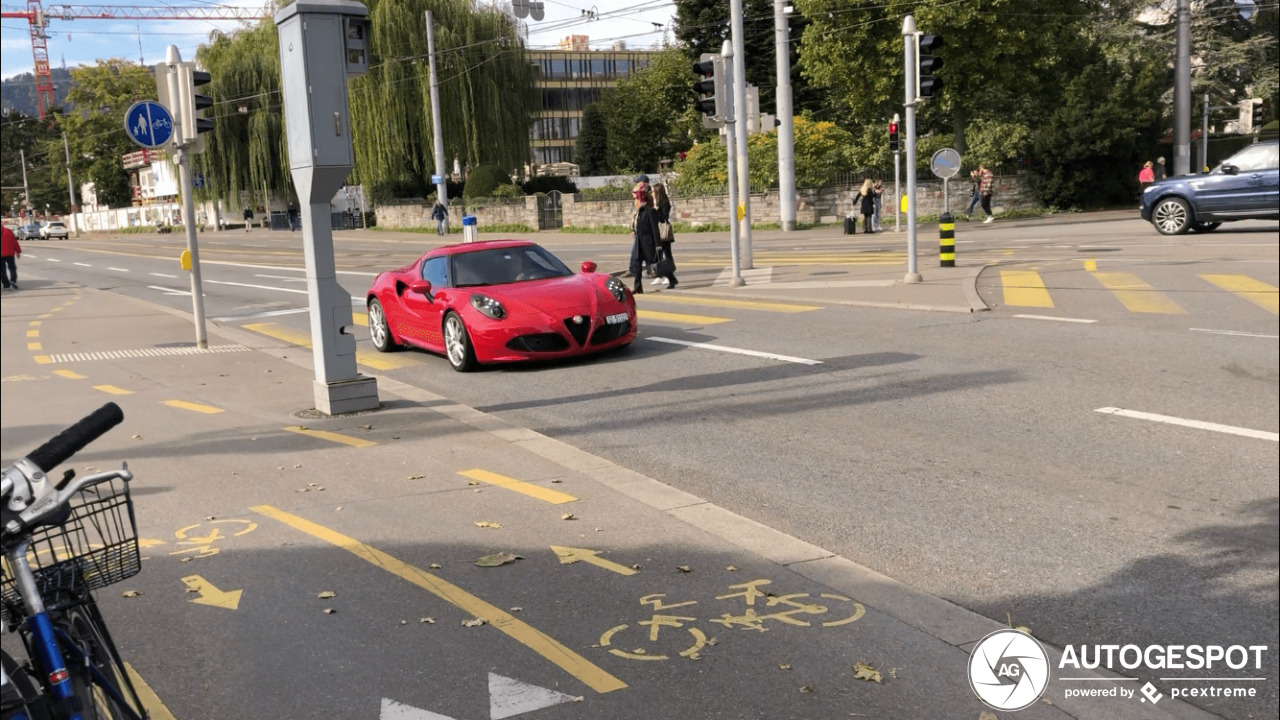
<point x="588" y="267"/>
<point x="1230" y="169"/>
<point x="422" y="287"/>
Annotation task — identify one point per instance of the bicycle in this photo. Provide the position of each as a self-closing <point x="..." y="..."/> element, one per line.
<point x="63" y="540"/>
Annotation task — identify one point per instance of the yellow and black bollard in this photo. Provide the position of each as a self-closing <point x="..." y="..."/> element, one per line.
<point x="947" y="240"/>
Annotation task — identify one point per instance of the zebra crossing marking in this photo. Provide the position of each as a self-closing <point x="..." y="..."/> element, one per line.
<point x="1024" y="288"/>
<point x="1255" y="291"/>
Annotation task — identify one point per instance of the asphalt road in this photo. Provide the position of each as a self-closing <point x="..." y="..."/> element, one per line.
<point x="961" y="454"/>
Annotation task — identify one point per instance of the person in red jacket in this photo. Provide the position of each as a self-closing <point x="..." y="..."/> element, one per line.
<point x="9" y="250"/>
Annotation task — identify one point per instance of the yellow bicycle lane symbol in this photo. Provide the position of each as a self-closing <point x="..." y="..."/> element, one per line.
<point x="203" y="545"/>
<point x="791" y="609"/>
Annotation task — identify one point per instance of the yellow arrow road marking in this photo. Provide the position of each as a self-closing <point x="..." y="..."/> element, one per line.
<point x="536" y="491"/>
<point x="546" y="646"/>
<point x="210" y="595"/>
<point x="569" y="556"/>
<point x="681" y="317"/>
<point x="331" y="436"/>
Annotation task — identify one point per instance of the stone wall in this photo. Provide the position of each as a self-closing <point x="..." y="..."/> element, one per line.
<point x="815" y="205"/>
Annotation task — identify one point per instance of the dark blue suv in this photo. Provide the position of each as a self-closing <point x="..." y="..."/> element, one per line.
<point x="1245" y="186"/>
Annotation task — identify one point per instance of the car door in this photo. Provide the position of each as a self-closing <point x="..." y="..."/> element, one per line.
<point x="1219" y="193"/>
<point x="425" y="313"/>
<point x="1263" y="175"/>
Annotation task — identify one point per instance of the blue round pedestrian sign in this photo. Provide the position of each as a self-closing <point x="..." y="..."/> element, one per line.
<point x="148" y="124"/>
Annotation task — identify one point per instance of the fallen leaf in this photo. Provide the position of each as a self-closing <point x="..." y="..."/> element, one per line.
<point x="428" y="620"/>
<point x="365" y="427"/>
<point x="474" y="623"/>
<point x="556" y="481"/>
<point x="434" y="566"/>
<point x="684" y="568"/>
<point x="404" y="622"/>
<point x="987" y="716"/>
<point x="568" y="516"/>
<point x="636" y="566"/>
<point x="185" y="559"/>
<point x="210" y="518"/>
<point x="135" y="437"/>
<point x="784" y="666"/>
<point x="497" y="559"/>
<point x="327" y="594"/>
<point x="193" y="590"/>
<point x="1023" y="628"/>
<point x="730" y="568"/>
<point x="297" y="465"/>
<point x="309" y="484"/>
<point x="517" y="609"/>
<point x="487" y="524"/>
<point x="806" y="688"/>
<point x="416" y="477"/>
<point x="329" y="611"/>
<point x="638" y="651"/>
<point x="473" y="482"/>
<point x="864" y="671"/>
<point x="893" y="673"/>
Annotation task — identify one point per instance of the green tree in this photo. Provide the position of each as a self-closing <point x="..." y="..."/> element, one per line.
<point x="482" y="181"/>
<point x="647" y="114"/>
<point x="46" y="175"/>
<point x="101" y="94"/>
<point x="593" y="142"/>
<point x="821" y="153"/>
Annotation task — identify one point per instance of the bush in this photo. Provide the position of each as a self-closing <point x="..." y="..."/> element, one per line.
<point x="547" y="183"/>
<point x="507" y="190"/>
<point x="483" y="180"/>
<point x="608" y="192"/>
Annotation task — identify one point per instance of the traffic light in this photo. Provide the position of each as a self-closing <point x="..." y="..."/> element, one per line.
<point x="190" y="103"/>
<point x="893" y="137"/>
<point x="926" y="45"/>
<point x="1256" y="118"/>
<point x="710" y="90"/>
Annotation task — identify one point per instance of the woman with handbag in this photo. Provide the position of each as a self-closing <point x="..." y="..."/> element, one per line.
<point x="867" y="203"/>
<point x="665" y="266"/>
<point x="644" y="246"/>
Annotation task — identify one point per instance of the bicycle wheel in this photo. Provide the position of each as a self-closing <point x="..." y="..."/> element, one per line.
<point x="19" y="690"/>
<point x="82" y="626"/>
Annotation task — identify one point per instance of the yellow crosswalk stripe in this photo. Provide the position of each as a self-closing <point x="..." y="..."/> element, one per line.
<point x="681" y="317"/>
<point x="376" y="361"/>
<point x="331" y="436"/>
<point x="194" y="407"/>
<point x="1255" y="291"/>
<point x="1024" y="288"/>
<point x="112" y="390"/>
<point x="1136" y="295"/>
<point x="719" y="302"/>
<point x="554" y="497"/>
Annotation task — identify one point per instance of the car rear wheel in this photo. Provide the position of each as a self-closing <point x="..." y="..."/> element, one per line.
<point x="379" y="329"/>
<point x="457" y="344"/>
<point x="1205" y="227"/>
<point x="1172" y="216"/>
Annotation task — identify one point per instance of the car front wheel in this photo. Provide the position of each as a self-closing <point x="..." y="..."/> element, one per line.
<point x="379" y="329"/>
<point x="457" y="344"/>
<point x="1172" y="216"/>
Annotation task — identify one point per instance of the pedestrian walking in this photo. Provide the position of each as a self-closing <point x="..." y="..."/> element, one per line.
<point x="1146" y="175"/>
<point x="879" y="190"/>
<point x="248" y="218"/>
<point x="867" y="205"/>
<point x="986" y="188"/>
<point x="10" y="250"/>
<point x="1158" y="171"/>
<point x="974" y="196"/>
<point x="644" y="244"/>
<point x="664" y="265"/>
<point x="294" y="221"/>
<point x="440" y="214"/>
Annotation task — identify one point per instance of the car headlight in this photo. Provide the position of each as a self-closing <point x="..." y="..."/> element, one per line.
<point x="488" y="306"/>
<point x="617" y="289"/>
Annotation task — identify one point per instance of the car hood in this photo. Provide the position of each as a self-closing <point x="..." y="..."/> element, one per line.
<point x="553" y="295"/>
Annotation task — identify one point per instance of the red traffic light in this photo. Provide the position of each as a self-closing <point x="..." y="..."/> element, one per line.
<point x="893" y="128"/>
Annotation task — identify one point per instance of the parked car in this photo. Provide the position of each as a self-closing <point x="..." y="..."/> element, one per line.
<point x="499" y="301"/>
<point x="29" y="231"/>
<point x="54" y="229"/>
<point x="1245" y="186"/>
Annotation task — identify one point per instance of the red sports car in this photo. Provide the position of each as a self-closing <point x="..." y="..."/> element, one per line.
<point x="499" y="301"/>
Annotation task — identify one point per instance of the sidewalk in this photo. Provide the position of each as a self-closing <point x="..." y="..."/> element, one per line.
<point x="227" y="432"/>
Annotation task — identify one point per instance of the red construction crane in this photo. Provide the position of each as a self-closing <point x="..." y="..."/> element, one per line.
<point x="38" y="18"/>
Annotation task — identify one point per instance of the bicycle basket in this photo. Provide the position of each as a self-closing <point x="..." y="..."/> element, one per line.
<point x="95" y="547"/>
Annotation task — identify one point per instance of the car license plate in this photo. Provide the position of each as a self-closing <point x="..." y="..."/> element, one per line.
<point x="616" y="319"/>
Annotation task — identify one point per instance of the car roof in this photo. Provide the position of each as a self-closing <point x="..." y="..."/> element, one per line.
<point x="460" y="248"/>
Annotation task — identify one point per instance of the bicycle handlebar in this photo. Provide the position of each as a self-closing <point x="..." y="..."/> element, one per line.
<point x="72" y="440"/>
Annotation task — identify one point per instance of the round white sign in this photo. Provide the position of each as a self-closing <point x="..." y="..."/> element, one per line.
<point x="945" y="163"/>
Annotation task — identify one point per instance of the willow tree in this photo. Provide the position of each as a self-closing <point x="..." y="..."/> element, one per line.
<point x="246" y="152"/>
<point x="487" y="95"/>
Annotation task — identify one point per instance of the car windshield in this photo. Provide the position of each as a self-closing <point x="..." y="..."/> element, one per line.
<point x="1253" y="158"/>
<point x="506" y="265"/>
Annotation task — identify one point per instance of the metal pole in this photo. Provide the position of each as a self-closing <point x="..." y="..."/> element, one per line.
<point x="442" y="188"/>
<point x="71" y="188"/>
<point x="897" y="190"/>
<point x="1204" y="137"/>
<point x="909" y="57"/>
<point x="731" y="151"/>
<point x="740" y="116"/>
<point x="1182" y="92"/>
<point x="188" y="203"/>
<point x="786" y="123"/>
<point x="26" y="189"/>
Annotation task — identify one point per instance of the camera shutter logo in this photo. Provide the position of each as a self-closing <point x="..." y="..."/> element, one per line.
<point x="1008" y="670"/>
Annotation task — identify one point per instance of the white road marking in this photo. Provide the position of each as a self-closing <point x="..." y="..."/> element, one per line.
<point x="265" y="313"/>
<point x="84" y="264"/>
<point x="169" y="291"/>
<point x="738" y="351"/>
<point x="282" y="267"/>
<point x="1059" y="319"/>
<point x="392" y="710"/>
<point x="258" y="287"/>
<point x="1198" y="424"/>
<point x="754" y="276"/>
<point x="282" y="277"/>
<point x="1237" y="333"/>
<point x="819" y="284"/>
<point x="53" y="259"/>
<point x="116" y="269"/>
<point x="163" y="275"/>
<point x="508" y="697"/>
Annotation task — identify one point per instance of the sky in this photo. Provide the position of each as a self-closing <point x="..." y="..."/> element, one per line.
<point x="640" y="23"/>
